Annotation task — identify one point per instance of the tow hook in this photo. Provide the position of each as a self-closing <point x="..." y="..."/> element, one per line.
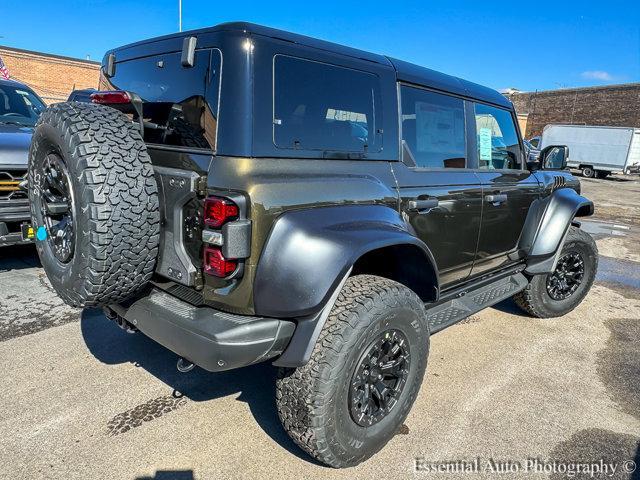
<point x="184" y="366"/>
<point x="121" y="322"/>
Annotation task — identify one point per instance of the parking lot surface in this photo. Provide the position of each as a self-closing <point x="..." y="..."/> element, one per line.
<point x="83" y="399"/>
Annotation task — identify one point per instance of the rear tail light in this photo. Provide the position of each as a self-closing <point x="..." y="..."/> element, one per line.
<point x="218" y="211"/>
<point x="111" y="97"/>
<point x="215" y="264"/>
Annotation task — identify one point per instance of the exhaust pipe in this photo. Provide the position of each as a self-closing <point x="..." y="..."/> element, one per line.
<point x="184" y="366"/>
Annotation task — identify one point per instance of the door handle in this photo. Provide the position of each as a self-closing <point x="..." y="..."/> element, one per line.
<point x="499" y="198"/>
<point x="423" y="204"/>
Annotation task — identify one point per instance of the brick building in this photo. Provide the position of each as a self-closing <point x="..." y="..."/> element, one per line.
<point x="610" y="105"/>
<point x="52" y="77"/>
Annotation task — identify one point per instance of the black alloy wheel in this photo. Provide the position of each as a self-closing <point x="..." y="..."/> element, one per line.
<point x="555" y="294"/>
<point x="56" y="202"/>
<point x="567" y="276"/>
<point x="379" y="378"/>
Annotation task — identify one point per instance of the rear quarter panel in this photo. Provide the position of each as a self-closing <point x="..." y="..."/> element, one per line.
<point x="273" y="186"/>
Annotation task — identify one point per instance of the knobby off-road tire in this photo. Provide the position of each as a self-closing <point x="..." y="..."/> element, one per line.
<point x="314" y="401"/>
<point x="112" y="199"/>
<point x="536" y="299"/>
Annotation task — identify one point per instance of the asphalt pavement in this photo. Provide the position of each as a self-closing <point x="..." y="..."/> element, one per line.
<point x="504" y="396"/>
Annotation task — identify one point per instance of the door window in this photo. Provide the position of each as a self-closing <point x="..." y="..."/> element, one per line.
<point x="433" y="128"/>
<point x="498" y="145"/>
<point x="318" y="106"/>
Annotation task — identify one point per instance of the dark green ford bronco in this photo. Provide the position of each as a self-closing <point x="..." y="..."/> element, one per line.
<point x="241" y="194"/>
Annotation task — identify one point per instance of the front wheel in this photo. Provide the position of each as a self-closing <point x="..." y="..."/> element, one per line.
<point x="364" y="374"/>
<point x="559" y="292"/>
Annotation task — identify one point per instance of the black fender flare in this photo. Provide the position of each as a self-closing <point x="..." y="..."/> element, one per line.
<point x="308" y="252"/>
<point x="546" y="227"/>
<point x="309" y="255"/>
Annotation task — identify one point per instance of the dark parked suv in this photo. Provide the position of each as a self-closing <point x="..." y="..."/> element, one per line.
<point x="242" y="194"/>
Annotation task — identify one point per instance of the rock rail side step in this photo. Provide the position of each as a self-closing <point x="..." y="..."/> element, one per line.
<point x="469" y="301"/>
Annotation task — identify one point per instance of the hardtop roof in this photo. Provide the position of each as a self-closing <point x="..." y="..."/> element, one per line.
<point x="405" y="71"/>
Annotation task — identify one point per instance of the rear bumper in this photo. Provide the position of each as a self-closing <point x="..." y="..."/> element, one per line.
<point x="212" y="339"/>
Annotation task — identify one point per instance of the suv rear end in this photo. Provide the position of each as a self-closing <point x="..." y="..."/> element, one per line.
<point x="208" y="117"/>
<point x="180" y="114"/>
<point x="216" y="295"/>
<point x="198" y="299"/>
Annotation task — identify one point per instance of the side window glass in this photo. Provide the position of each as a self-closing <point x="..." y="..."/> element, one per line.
<point x="498" y="146"/>
<point x="318" y="106"/>
<point x="433" y="128"/>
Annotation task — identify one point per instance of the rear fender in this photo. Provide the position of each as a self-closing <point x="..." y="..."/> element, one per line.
<point x="310" y="254"/>
<point x="309" y="251"/>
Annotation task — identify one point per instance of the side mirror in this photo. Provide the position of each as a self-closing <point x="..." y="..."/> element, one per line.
<point x="554" y="157"/>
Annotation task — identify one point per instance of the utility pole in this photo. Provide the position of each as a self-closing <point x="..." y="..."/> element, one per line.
<point x="179" y="15"/>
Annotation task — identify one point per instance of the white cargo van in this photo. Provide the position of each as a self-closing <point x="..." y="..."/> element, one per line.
<point x="597" y="151"/>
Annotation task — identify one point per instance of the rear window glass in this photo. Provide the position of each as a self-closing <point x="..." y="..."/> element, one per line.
<point x="318" y="106"/>
<point x="180" y="104"/>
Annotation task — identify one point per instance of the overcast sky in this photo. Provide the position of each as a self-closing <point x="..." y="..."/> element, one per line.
<point x="527" y="45"/>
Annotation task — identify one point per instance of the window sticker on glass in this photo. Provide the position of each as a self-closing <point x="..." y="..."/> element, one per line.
<point x="484" y="143"/>
<point x="437" y="128"/>
<point x="344" y="116"/>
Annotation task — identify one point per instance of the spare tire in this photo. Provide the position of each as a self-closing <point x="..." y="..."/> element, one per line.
<point x="94" y="203"/>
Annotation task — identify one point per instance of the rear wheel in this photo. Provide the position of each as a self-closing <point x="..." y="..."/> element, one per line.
<point x="364" y="374"/>
<point x="559" y="292"/>
<point x="94" y="203"/>
<point x="588" y="171"/>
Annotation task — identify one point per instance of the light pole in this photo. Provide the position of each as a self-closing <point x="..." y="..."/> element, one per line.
<point x="179" y="15"/>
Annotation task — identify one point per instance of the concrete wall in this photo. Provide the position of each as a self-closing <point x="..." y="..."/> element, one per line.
<point x="52" y="77"/>
<point x="611" y="105"/>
